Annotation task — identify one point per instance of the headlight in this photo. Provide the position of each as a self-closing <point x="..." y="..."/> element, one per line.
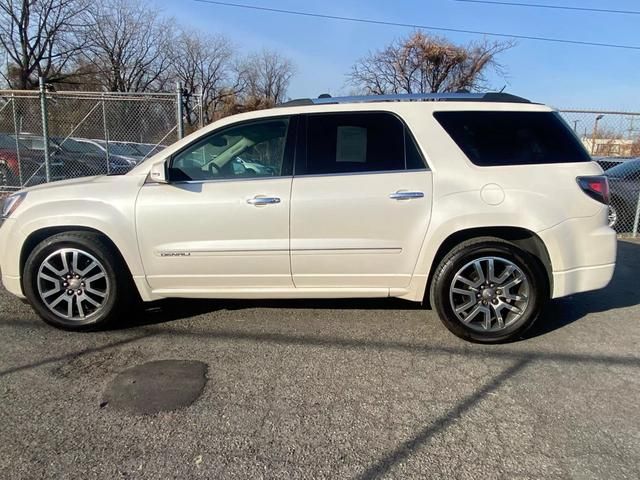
<point x="11" y="203"/>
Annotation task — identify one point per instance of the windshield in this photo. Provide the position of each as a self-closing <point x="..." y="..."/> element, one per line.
<point x="624" y="170"/>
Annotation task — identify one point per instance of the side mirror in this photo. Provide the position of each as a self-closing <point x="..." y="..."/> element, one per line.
<point x="158" y="172"/>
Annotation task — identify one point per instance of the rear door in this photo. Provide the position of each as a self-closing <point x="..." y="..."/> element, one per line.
<point x="360" y="204"/>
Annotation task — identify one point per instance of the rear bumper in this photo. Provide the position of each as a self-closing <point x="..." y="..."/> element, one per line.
<point x="582" y="280"/>
<point x="582" y="253"/>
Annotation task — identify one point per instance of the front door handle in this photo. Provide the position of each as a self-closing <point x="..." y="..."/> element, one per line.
<point x="263" y="201"/>
<point x="403" y="195"/>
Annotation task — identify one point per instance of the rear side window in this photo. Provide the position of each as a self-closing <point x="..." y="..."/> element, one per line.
<point x="513" y="138"/>
<point x="356" y="143"/>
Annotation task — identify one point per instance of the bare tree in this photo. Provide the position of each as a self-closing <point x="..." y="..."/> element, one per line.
<point x="266" y="77"/>
<point x="421" y="64"/>
<point x="40" y="38"/>
<point x="130" y="45"/>
<point x="203" y="64"/>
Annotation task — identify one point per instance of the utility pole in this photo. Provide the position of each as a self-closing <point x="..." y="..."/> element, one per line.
<point x="595" y="133"/>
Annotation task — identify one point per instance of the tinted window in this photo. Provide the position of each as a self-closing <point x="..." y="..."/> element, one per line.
<point x="356" y="142"/>
<point x="247" y="150"/>
<point x="513" y="138"/>
<point x="414" y="158"/>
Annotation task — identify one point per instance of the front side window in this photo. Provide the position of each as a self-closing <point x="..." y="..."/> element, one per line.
<point x="357" y="142"/>
<point x="248" y="150"/>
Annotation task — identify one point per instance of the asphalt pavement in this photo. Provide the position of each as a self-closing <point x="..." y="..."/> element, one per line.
<point x="353" y="389"/>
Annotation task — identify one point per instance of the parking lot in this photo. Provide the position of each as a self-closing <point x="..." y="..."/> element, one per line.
<point x="332" y="389"/>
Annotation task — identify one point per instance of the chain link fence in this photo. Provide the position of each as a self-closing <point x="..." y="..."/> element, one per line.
<point x="49" y="136"/>
<point x="613" y="140"/>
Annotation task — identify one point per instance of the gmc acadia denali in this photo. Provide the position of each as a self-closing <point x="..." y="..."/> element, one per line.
<point x="483" y="205"/>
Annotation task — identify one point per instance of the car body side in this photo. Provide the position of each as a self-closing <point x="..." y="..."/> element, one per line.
<point x="569" y="228"/>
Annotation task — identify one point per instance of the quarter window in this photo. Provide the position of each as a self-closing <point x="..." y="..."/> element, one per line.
<point x="245" y="151"/>
<point x="357" y="142"/>
<point x="493" y="138"/>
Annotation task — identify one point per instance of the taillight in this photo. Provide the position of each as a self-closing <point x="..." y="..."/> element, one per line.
<point x="10" y="158"/>
<point x="597" y="187"/>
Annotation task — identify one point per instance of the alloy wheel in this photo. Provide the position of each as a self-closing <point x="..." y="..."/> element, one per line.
<point x="489" y="294"/>
<point x="73" y="284"/>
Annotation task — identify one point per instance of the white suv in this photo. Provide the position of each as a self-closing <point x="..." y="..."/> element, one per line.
<point x="483" y="205"/>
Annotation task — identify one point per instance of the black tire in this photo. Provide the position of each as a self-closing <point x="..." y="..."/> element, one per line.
<point x="481" y="248"/>
<point x="6" y="177"/>
<point x="120" y="293"/>
<point x="625" y="215"/>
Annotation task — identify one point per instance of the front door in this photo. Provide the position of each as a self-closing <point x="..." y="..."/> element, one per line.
<point x="223" y="220"/>
<point x="360" y="203"/>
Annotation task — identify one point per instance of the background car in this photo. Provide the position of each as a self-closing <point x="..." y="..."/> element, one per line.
<point x="123" y="150"/>
<point x="90" y="157"/>
<point x="27" y="164"/>
<point x="9" y="165"/>
<point x="148" y="150"/>
<point x="624" y="186"/>
<point x="71" y="159"/>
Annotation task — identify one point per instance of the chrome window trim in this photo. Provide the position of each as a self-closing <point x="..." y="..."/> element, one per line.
<point x="220" y="180"/>
<point x="378" y="172"/>
<point x="343" y="174"/>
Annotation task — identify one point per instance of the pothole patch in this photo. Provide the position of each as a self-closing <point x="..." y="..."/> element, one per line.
<point x="155" y="387"/>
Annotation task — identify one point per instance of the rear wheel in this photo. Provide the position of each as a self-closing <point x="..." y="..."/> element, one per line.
<point x="76" y="281"/>
<point x="488" y="290"/>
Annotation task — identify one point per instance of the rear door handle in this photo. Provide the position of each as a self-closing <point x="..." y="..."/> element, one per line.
<point x="263" y="201"/>
<point x="402" y="195"/>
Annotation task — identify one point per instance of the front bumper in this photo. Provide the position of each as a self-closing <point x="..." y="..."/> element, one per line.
<point x="11" y="240"/>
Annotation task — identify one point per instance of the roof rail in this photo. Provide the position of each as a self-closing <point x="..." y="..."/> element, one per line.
<point x="410" y="97"/>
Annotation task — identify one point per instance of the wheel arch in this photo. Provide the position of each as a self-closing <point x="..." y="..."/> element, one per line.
<point x="37" y="236"/>
<point x="523" y="238"/>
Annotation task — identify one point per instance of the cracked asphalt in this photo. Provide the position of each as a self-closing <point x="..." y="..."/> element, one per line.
<point x="352" y="389"/>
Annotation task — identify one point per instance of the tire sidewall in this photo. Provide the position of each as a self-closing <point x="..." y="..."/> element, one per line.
<point x="526" y="262"/>
<point x="46" y="248"/>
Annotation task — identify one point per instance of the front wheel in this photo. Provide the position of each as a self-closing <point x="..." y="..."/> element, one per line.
<point x="76" y="281"/>
<point x="489" y="291"/>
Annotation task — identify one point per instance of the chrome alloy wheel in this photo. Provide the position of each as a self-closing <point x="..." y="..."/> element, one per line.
<point x="489" y="294"/>
<point x="73" y="284"/>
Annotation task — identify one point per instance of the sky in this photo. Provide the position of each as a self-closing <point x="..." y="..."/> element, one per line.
<point x="564" y="76"/>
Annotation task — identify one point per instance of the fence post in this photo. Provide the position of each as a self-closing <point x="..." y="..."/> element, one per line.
<point x="45" y="129"/>
<point x="201" y="107"/>
<point x="15" y="130"/>
<point x="106" y="133"/>
<point x="179" y="113"/>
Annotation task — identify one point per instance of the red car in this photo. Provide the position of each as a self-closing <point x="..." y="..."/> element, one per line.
<point x="10" y="168"/>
